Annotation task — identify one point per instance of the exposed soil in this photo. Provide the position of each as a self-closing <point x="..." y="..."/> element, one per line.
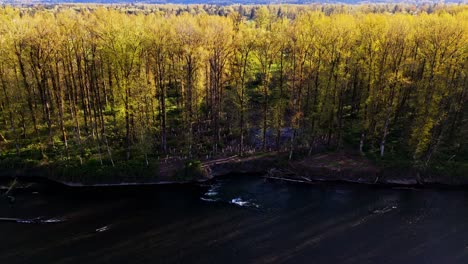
<point x="342" y="166"/>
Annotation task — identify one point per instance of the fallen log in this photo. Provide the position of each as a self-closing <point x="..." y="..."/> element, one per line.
<point x="37" y="220"/>
<point x="6" y="219"/>
<point x="287" y="179"/>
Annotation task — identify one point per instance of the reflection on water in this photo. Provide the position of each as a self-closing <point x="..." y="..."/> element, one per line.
<point x="236" y="220"/>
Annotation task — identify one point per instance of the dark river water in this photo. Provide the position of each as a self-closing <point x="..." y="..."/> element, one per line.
<point x="239" y="219"/>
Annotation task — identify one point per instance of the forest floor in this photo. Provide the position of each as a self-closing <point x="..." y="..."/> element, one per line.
<point x="338" y="161"/>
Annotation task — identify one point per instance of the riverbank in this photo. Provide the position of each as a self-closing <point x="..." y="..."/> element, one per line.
<point x="340" y="166"/>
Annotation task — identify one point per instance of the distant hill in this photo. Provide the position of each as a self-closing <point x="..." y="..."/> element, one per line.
<point x="224" y="2"/>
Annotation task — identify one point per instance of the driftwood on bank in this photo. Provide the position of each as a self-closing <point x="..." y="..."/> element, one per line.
<point x="211" y="162"/>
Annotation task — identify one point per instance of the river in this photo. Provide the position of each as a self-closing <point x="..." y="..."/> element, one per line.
<point x="239" y="219"/>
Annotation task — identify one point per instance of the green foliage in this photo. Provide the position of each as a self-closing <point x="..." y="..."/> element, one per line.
<point x="105" y="91"/>
<point x="191" y="170"/>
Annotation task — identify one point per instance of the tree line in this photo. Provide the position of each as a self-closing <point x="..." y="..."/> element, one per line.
<point x="115" y="87"/>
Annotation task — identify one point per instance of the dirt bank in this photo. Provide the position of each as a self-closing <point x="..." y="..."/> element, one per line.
<point x="339" y="166"/>
<point x="334" y="166"/>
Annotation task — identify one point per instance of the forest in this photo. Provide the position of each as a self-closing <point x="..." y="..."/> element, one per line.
<point x="114" y="87"/>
